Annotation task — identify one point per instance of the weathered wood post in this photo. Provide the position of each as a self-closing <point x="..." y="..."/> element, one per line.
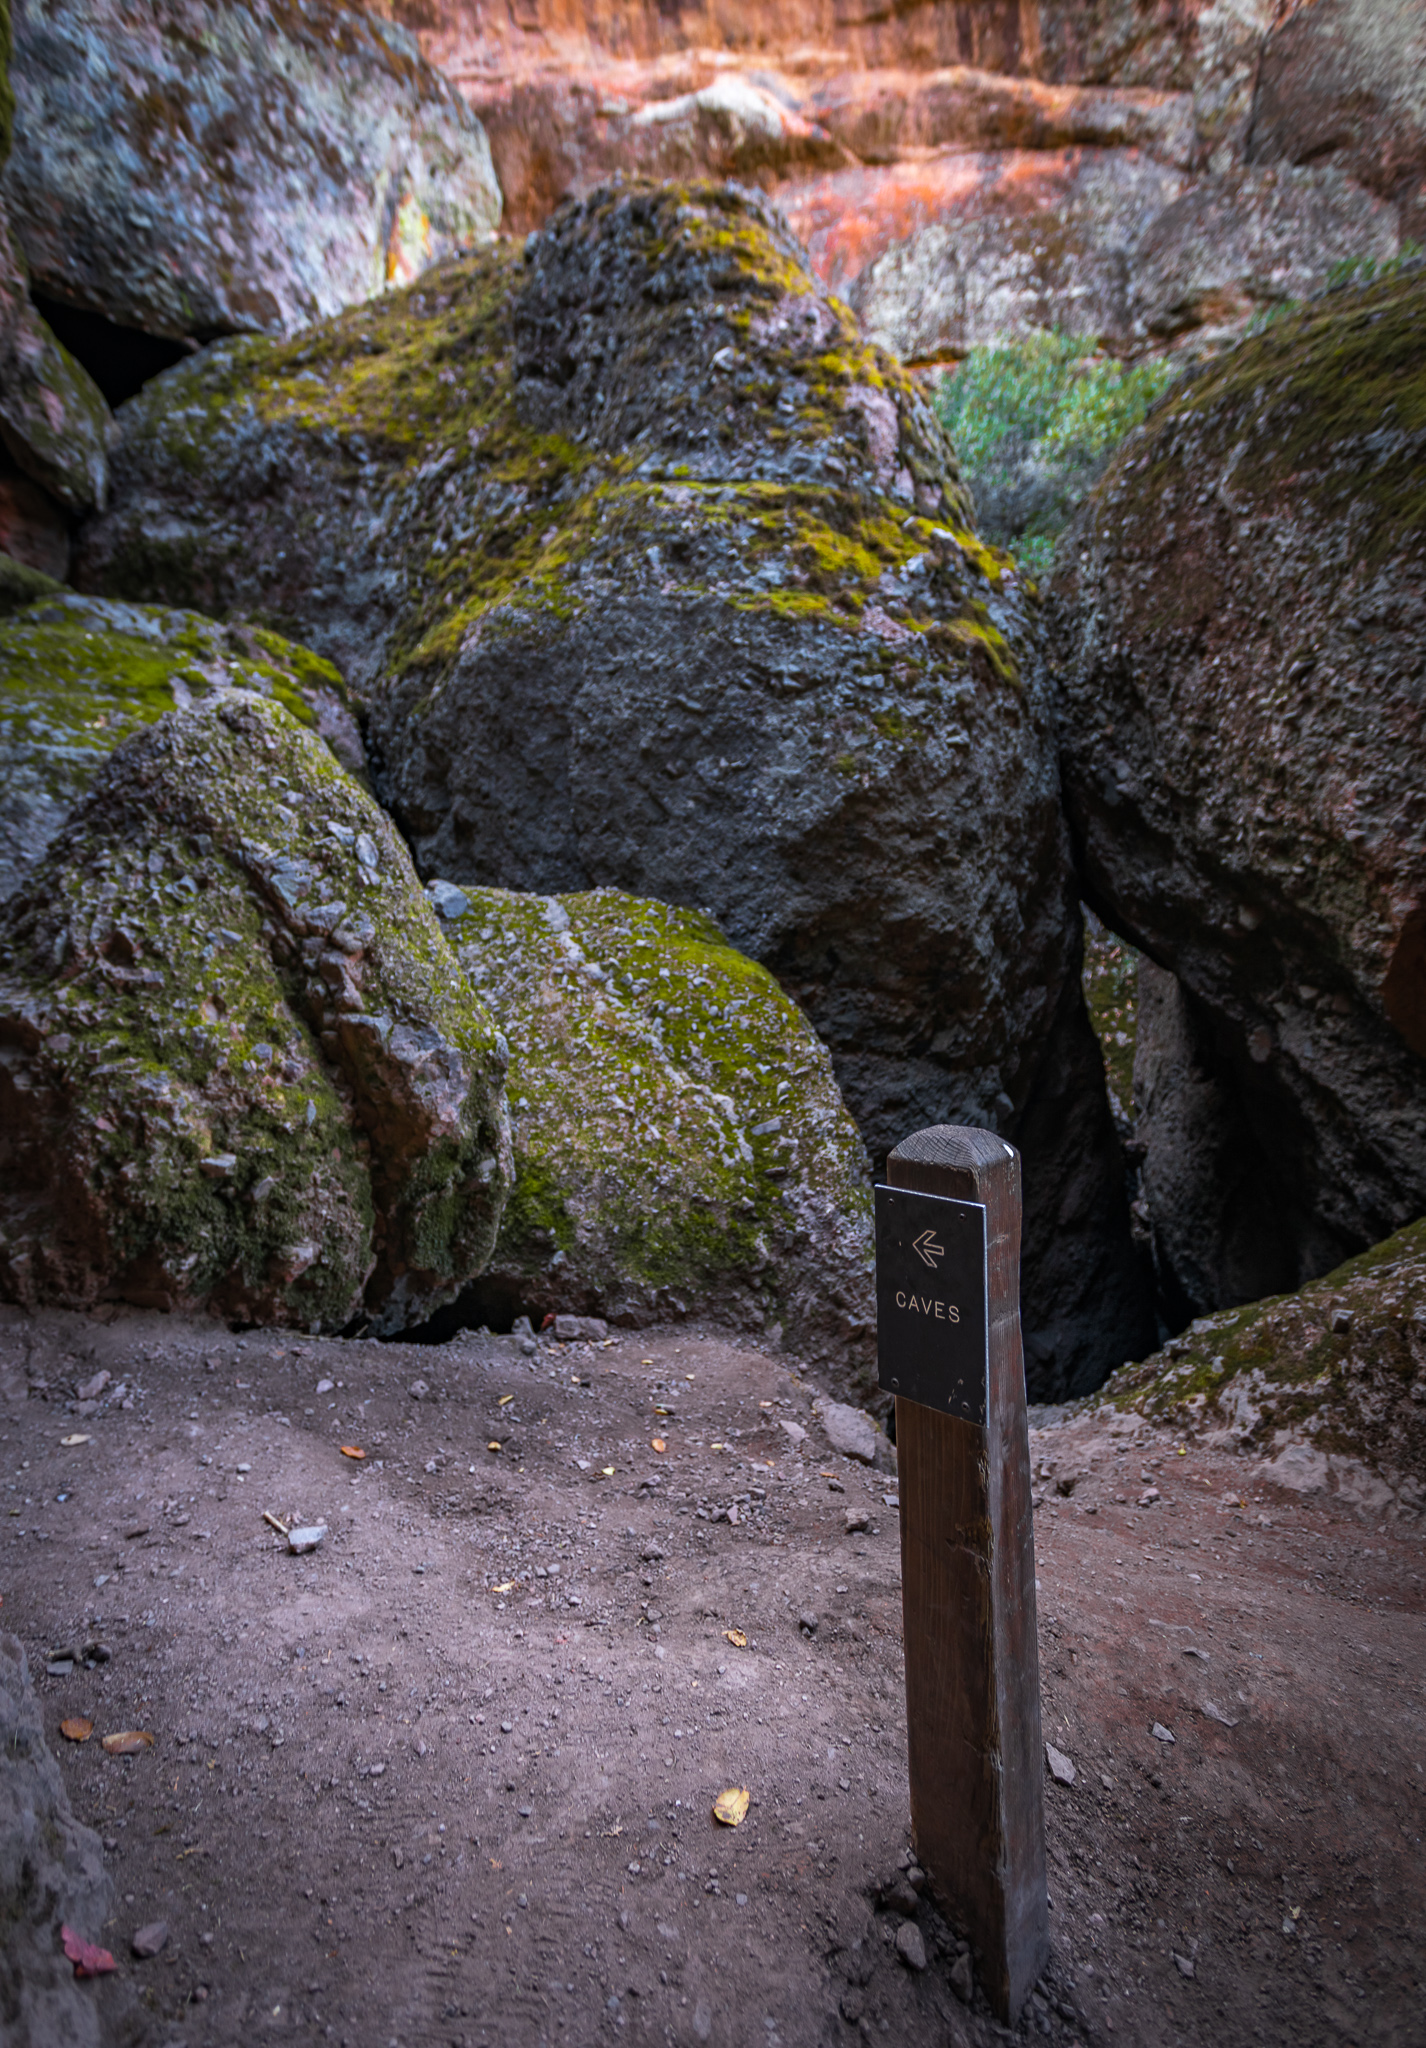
<point x="948" y="1340"/>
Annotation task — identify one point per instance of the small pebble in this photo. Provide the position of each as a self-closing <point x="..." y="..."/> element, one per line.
<point x="910" y="1946"/>
<point x="149" y="1940"/>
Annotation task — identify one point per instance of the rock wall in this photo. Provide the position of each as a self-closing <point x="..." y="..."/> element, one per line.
<point x="1239" y="623"/>
<point x="1151" y="174"/>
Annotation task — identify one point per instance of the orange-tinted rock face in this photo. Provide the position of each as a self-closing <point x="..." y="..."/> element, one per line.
<point x="963" y="170"/>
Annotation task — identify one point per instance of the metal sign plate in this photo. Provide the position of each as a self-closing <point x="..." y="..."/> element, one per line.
<point x="932" y="1331"/>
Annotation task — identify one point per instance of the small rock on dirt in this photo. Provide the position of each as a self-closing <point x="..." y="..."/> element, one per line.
<point x="807" y="1623"/>
<point x="150" y="1940"/>
<point x="910" y="1946"/>
<point x="848" y="1430"/>
<point x="300" y="1541"/>
<point x="961" y="1978"/>
<point x="1162" y="1734"/>
<point x="1185" y="1964"/>
<point x="1061" y="1769"/>
<point x="858" y="1521"/>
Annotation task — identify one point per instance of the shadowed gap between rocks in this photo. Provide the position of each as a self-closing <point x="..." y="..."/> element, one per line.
<point x="121" y="360"/>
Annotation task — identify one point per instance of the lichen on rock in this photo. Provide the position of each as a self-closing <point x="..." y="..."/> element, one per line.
<point x="239" y="1067"/>
<point x="1325" y="1387"/>
<point x="79" y="675"/>
<point x="680" y="1142"/>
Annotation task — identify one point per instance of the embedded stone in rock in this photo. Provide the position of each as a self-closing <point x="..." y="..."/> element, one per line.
<point x="79" y="675"/>
<point x="309" y="159"/>
<point x="1238" y="618"/>
<point x="680" y="1143"/>
<point x="849" y="1430"/>
<point x="200" y="969"/>
<point x="672" y="588"/>
<point x="51" y="1873"/>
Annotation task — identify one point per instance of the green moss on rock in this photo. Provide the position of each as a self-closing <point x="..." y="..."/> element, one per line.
<point x="680" y="1142"/>
<point x="239" y="1066"/>
<point x="1336" y="1371"/>
<point x="21" y="585"/>
<point x="79" y="675"/>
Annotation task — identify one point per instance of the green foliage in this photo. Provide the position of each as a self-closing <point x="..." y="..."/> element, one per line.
<point x="1111" y="990"/>
<point x="1359" y="270"/>
<point x="1034" y="422"/>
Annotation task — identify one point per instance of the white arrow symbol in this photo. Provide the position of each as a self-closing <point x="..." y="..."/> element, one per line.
<point x="928" y="1248"/>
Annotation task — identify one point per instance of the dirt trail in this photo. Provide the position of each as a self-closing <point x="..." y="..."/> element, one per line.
<point x="421" y="1787"/>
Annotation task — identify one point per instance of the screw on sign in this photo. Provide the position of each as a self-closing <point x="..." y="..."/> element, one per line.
<point x="949" y="1349"/>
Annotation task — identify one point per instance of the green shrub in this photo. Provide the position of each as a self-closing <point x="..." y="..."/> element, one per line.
<point x="1034" y="422"/>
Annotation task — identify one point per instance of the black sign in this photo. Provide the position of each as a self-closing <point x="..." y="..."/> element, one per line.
<point x="932" y="1332"/>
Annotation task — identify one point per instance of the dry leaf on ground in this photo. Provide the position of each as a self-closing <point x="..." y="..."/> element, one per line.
<point x="128" y="1742"/>
<point x="76" y="1728"/>
<point x="731" y="1807"/>
<point x="736" y="1637"/>
<point x="508" y="1587"/>
<point x="67" y="1442"/>
<point x="657" y="1443"/>
<point x="88" y="1960"/>
<point x="493" y="1445"/>
<point x="352" y="1451"/>
<point x="505" y="1400"/>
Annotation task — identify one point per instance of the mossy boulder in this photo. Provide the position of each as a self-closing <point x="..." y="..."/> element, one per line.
<point x="1327" y="1386"/>
<point x="240" y="1069"/>
<point x="654" y="574"/>
<point x="1239" y="617"/>
<point x="206" y="168"/>
<point x="78" y="675"/>
<point x="680" y="1142"/>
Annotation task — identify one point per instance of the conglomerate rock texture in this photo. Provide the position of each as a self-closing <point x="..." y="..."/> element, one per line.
<point x="240" y="1068"/>
<point x="1240" y="653"/>
<point x="654" y="574"/>
<point x="1144" y="174"/>
<point x="51" y="1876"/>
<point x="206" y="167"/>
<point x="79" y="674"/>
<point x="680" y="1142"/>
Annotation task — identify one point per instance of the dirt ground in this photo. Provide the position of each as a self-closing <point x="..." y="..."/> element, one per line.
<point x="448" y="1778"/>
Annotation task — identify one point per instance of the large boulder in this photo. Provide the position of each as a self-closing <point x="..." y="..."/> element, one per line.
<point x="240" y="1069"/>
<point x="1240" y="612"/>
<point x="655" y="575"/>
<point x="51" y="1876"/>
<point x="79" y="674"/>
<point x="680" y="1143"/>
<point x="204" y="167"/>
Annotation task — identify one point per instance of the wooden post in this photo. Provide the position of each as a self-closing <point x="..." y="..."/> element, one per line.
<point x="948" y="1288"/>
